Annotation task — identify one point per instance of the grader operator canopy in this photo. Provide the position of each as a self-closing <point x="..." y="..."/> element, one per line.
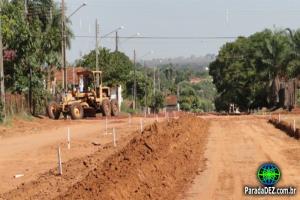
<point x="89" y="79"/>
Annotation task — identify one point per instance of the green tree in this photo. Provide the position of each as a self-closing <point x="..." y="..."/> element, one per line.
<point x="244" y="69"/>
<point x="157" y="101"/>
<point x="143" y="87"/>
<point x="116" y="66"/>
<point x="197" y="97"/>
<point x="36" y="40"/>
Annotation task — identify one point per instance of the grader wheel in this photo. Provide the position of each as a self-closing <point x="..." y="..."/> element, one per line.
<point x="106" y="109"/>
<point x="114" y="108"/>
<point x="77" y="111"/>
<point x="53" y="110"/>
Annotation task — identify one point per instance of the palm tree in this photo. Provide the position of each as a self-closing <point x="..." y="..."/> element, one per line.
<point x="294" y="67"/>
<point x="277" y="55"/>
<point x="49" y="14"/>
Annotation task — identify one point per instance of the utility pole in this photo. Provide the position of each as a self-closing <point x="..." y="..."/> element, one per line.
<point x="117" y="41"/>
<point x="63" y="21"/>
<point x="158" y="78"/>
<point x="2" y="93"/>
<point x="30" y="91"/>
<point x="145" y="85"/>
<point x="134" y="84"/>
<point x="158" y="75"/>
<point x="154" y="80"/>
<point x="97" y="52"/>
<point x="25" y="8"/>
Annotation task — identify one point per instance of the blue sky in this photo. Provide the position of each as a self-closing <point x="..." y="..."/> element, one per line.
<point x="176" y="18"/>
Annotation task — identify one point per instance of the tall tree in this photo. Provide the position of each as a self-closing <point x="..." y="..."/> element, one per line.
<point x="116" y="66"/>
<point x="35" y="38"/>
<point x="244" y="69"/>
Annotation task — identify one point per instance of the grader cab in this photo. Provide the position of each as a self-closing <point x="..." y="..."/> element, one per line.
<point x="88" y="96"/>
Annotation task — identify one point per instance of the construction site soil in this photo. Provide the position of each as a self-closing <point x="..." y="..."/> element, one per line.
<point x="155" y="164"/>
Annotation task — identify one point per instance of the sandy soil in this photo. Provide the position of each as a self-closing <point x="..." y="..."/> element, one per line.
<point x="236" y="147"/>
<point x="185" y="159"/>
<point x="30" y="148"/>
<point x="289" y="118"/>
<point x="153" y="165"/>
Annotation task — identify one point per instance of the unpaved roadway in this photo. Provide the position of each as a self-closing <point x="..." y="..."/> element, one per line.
<point x="32" y="149"/>
<point x="202" y="163"/>
<point x="236" y="147"/>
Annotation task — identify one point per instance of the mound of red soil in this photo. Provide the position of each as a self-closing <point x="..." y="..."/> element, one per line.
<point x="156" y="164"/>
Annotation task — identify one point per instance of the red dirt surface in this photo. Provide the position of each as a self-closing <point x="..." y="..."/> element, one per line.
<point x="18" y="126"/>
<point x="156" y="164"/>
<point x="236" y="147"/>
<point x="30" y="147"/>
<point x="207" y="157"/>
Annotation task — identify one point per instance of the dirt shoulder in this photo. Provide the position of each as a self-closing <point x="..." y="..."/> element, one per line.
<point x="26" y="125"/>
<point x="154" y="165"/>
<point x="35" y="153"/>
<point x="236" y="147"/>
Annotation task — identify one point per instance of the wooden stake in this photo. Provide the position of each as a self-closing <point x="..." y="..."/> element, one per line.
<point x="114" y="137"/>
<point x="294" y="125"/>
<point x="105" y="125"/>
<point x="141" y="123"/>
<point x="18" y="175"/>
<point x="69" y="139"/>
<point x="59" y="161"/>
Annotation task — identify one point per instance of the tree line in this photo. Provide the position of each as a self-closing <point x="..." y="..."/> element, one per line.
<point x="32" y="51"/>
<point x="154" y="83"/>
<point x="34" y="36"/>
<point x="244" y="70"/>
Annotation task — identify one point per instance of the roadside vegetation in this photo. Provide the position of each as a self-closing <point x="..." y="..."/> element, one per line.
<point x="169" y="79"/>
<point x="244" y="70"/>
<point x="32" y="46"/>
<point x="32" y="52"/>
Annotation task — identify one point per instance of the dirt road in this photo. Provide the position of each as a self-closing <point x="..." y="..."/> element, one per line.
<point x="154" y="164"/>
<point x="188" y="159"/>
<point x="235" y="149"/>
<point x="35" y="152"/>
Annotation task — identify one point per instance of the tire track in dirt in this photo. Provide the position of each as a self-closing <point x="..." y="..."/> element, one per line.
<point x="35" y="154"/>
<point x="235" y="150"/>
<point x="156" y="164"/>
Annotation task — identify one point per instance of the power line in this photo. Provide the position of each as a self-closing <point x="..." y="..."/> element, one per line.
<point x="165" y="37"/>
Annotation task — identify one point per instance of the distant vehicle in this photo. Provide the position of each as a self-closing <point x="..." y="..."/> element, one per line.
<point x="233" y="109"/>
<point x="87" y="99"/>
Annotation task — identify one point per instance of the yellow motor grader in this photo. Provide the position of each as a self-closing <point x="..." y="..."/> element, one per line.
<point x="89" y="96"/>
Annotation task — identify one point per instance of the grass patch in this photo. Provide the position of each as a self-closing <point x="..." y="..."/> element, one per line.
<point x="8" y="120"/>
<point x="25" y="116"/>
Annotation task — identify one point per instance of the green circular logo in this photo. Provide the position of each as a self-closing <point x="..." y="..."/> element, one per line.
<point x="268" y="174"/>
